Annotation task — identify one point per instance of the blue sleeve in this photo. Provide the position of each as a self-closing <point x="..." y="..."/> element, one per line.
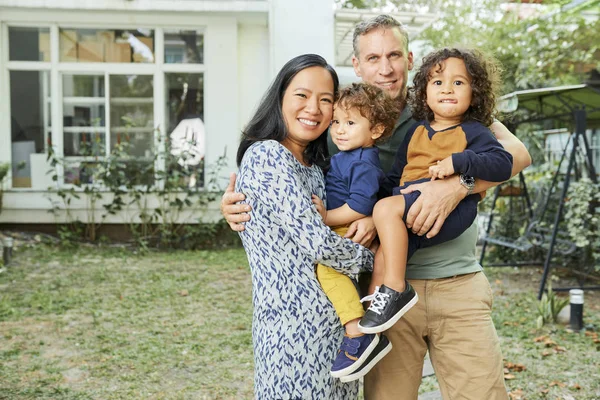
<point x="392" y="179"/>
<point x="484" y="158"/>
<point x="364" y="178"/>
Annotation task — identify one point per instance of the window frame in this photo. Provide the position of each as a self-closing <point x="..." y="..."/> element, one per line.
<point x="57" y="69"/>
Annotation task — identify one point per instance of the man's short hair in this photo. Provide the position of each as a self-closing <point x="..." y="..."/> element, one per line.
<point x="381" y="21"/>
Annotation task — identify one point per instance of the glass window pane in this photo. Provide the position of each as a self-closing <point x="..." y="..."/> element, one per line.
<point x="84" y="116"/>
<point x="80" y="173"/>
<point x="132" y="114"/>
<point x="29" y="44"/>
<point x="29" y="122"/>
<point x="107" y="45"/>
<point x="185" y="126"/>
<point x="184" y="47"/>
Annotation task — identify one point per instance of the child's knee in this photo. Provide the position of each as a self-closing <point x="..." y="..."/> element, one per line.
<point x="389" y="207"/>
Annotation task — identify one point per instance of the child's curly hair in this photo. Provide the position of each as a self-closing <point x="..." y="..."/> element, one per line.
<point x="484" y="72"/>
<point x="373" y="104"/>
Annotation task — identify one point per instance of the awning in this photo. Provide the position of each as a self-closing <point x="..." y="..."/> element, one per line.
<point x="556" y="103"/>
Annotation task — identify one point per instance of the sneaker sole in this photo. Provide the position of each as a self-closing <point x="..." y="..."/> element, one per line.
<point x="358" y="363"/>
<point x="368" y="367"/>
<point x="392" y="321"/>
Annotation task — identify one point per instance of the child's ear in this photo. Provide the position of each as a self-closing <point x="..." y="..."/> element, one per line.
<point x="377" y="131"/>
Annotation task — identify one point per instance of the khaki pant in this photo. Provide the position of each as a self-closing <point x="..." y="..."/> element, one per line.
<point x="453" y="320"/>
<point x="340" y="290"/>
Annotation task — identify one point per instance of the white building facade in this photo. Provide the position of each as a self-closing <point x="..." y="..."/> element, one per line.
<point x="84" y="75"/>
<point x="81" y="77"/>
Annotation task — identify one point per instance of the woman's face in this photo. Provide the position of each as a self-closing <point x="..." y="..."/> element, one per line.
<point x="307" y="107"/>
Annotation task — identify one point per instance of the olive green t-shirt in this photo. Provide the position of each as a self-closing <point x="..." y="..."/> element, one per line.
<point x="455" y="257"/>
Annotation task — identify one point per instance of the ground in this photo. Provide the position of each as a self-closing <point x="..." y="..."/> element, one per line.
<point x="104" y="323"/>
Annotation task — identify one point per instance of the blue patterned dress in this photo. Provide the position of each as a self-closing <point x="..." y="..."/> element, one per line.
<point x="295" y="330"/>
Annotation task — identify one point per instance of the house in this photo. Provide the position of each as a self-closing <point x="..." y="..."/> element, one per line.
<point x="83" y="76"/>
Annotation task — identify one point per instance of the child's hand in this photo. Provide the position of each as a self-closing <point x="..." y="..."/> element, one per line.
<point x="320" y="206"/>
<point x="443" y="169"/>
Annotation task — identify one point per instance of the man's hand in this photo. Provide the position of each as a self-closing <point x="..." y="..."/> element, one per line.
<point x="442" y="169"/>
<point x="320" y="206"/>
<point x="362" y="231"/>
<point x="231" y="211"/>
<point x="436" y="202"/>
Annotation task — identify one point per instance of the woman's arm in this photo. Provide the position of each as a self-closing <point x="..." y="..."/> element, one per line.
<point x="272" y="182"/>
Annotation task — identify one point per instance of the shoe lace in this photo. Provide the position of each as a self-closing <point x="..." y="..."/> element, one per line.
<point x="377" y="299"/>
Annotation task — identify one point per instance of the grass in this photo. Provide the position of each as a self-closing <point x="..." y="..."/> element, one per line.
<point x="101" y="323"/>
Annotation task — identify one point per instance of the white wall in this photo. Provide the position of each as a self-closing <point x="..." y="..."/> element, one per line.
<point x="253" y="71"/>
<point x="144" y="5"/>
<point x="300" y="26"/>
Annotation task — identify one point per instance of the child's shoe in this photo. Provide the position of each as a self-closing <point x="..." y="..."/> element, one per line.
<point x="353" y="353"/>
<point x="387" y="307"/>
<point x="383" y="347"/>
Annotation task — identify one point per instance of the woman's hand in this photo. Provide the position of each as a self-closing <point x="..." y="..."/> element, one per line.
<point x="362" y="231"/>
<point x="320" y="206"/>
<point x="234" y="213"/>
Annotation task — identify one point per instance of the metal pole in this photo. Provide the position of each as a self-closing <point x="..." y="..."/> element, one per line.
<point x="579" y="129"/>
<point x="7" y="247"/>
<point x="526" y="195"/>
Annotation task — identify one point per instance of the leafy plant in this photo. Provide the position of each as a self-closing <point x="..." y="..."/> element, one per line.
<point x="550" y="306"/>
<point x="584" y="223"/>
<point x="158" y="197"/>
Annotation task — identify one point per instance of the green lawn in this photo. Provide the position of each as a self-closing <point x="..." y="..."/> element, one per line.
<point x="102" y="323"/>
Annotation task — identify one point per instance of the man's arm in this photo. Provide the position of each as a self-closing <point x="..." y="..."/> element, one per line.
<point x="438" y="198"/>
<point x="234" y="213"/>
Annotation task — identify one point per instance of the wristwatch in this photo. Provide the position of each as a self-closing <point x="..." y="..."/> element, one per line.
<point x="468" y="182"/>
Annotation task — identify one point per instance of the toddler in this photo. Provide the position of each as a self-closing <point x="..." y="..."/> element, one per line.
<point x="454" y="96"/>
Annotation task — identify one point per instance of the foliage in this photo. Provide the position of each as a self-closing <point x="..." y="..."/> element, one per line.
<point x="550" y="306"/>
<point x="157" y="204"/>
<point x="538" y="45"/>
<point x="584" y="223"/>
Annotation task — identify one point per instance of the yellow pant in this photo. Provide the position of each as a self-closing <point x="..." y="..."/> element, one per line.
<point x="340" y="290"/>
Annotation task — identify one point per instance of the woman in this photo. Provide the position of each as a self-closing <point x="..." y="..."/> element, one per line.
<point x="283" y="150"/>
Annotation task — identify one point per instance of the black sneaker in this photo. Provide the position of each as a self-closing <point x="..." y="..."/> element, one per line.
<point x="383" y="347"/>
<point x="387" y="307"/>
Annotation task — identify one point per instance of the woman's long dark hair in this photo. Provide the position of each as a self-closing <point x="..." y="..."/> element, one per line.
<point x="268" y="122"/>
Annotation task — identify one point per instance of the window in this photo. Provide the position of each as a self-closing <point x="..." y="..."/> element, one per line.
<point x="115" y="46"/>
<point x="184" y="47"/>
<point x="185" y="123"/>
<point x="29" y="44"/>
<point x="30" y="122"/>
<point x="108" y="100"/>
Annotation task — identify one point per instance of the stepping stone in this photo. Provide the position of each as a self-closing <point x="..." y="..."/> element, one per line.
<point x="427" y="367"/>
<point x="431" y="396"/>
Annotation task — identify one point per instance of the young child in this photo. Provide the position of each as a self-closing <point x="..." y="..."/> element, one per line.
<point x="454" y="95"/>
<point x="363" y="116"/>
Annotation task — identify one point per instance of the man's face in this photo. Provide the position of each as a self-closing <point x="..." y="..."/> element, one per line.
<point x="384" y="60"/>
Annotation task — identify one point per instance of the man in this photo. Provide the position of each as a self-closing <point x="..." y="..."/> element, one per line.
<point x="453" y="316"/>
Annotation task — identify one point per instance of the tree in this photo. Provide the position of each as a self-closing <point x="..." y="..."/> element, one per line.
<point x="538" y="45"/>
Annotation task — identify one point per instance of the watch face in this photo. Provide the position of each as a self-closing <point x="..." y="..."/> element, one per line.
<point x="468" y="180"/>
